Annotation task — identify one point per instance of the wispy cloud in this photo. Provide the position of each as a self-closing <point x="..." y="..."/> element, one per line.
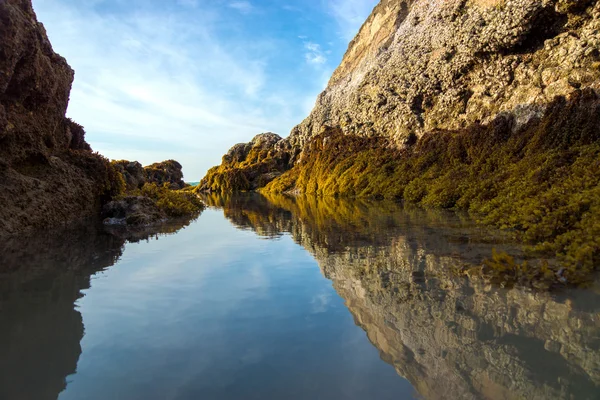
<point x="244" y="7"/>
<point x="148" y="83"/>
<point x="350" y="14"/>
<point x="189" y="78"/>
<point x="188" y="3"/>
<point x="314" y="54"/>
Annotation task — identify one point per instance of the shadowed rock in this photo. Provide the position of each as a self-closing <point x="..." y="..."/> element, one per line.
<point x="48" y="175"/>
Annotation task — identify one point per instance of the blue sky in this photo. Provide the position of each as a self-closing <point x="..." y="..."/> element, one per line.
<point x="187" y="79"/>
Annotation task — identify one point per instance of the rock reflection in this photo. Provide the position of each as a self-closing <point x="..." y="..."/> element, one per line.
<point x="449" y="336"/>
<point x="41" y="277"/>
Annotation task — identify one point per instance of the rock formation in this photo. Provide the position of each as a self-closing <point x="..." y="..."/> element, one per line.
<point x="420" y="65"/>
<point x="48" y="174"/>
<point x="248" y="166"/>
<point x="152" y="195"/>
<point x="133" y="173"/>
<point x="452" y="338"/>
<point x="169" y="171"/>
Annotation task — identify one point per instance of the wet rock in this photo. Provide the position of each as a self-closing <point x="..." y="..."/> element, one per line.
<point x="132" y="210"/>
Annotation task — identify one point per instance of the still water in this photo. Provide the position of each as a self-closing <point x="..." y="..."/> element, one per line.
<point x="286" y="298"/>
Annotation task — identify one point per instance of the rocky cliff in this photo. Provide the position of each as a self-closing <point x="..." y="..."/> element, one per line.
<point x="420" y="65"/>
<point x="48" y="173"/>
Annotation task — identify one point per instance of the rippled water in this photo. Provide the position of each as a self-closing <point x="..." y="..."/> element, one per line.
<point x="286" y="298"/>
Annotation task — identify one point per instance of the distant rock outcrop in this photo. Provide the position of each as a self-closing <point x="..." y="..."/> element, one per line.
<point x="153" y="194"/>
<point x="169" y="171"/>
<point x="48" y="174"/>
<point x="133" y="173"/>
<point x="248" y="166"/>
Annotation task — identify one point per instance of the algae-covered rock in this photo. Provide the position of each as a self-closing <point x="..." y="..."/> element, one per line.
<point x="133" y="173"/>
<point x="248" y="166"/>
<point x="420" y="66"/>
<point x="150" y="205"/>
<point x="169" y="172"/>
<point x="486" y="105"/>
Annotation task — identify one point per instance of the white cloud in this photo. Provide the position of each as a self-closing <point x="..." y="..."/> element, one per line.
<point x="350" y="15"/>
<point x="242" y="6"/>
<point x="314" y="54"/>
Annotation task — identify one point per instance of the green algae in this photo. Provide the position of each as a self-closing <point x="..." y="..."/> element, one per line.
<point x="174" y="203"/>
<point x="539" y="181"/>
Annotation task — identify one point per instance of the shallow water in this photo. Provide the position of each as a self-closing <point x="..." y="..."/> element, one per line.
<point x="286" y="298"/>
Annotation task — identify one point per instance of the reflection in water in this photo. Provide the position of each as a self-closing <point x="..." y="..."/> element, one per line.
<point x="40" y="280"/>
<point x="450" y="337"/>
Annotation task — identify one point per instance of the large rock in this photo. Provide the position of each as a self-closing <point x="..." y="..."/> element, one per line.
<point x="416" y="66"/>
<point x="48" y="175"/>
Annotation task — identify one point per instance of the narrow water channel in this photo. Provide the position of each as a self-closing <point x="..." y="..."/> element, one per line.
<point x="286" y="298"/>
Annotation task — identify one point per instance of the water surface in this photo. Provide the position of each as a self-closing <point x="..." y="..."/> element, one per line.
<point x="286" y="298"/>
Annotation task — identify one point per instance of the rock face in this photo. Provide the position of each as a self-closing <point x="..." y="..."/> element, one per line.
<point x="135" y="176"/>
<point x="48" y="174"/>
<point x="416" y="66"/>
<point x="485" y="105"/>
<point x="248" y="166"/>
